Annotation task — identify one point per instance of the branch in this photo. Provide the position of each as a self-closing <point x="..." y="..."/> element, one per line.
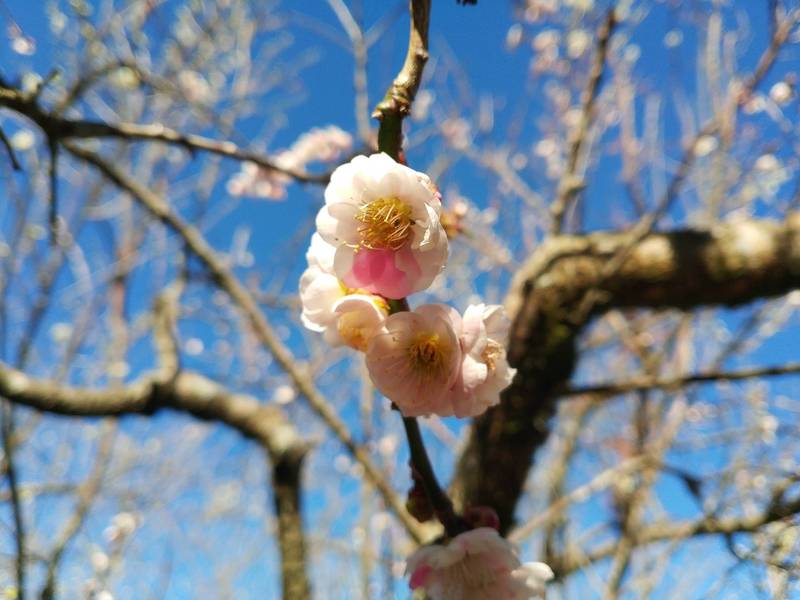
<point x="731" y="264"/>
<point x="671" y="383"/>
<point x="58" y="129"/>
<point x="396" y="105"/>
<point x="570" y="182"/>
<point x="777" y="510"/>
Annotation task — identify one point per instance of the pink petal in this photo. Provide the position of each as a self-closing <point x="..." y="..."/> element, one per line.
<point x="420" y="577"/>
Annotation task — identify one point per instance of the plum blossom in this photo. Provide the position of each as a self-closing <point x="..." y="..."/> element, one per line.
<point x="476" y="565"/>
<point x="484" y="370"/>
<point x="415" y="359"/>
<point x="321" y="144"/>
<point x="383" y="220"/>
<point x="342" y="315"/>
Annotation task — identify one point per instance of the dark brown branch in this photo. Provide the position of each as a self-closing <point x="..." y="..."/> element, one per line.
<point x="732" y="264"/>
<point x="58" y="128"/>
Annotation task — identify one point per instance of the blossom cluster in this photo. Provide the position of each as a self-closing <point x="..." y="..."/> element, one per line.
<point x="321" y="144"/>
<point x="379" y="239"/>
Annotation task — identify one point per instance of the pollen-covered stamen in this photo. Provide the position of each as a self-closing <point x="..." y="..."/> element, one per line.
<point x="354" y="331"/>
<point x="491" y="354"/>
<point x="428" y="354"/>
<point x="386" y="224"/>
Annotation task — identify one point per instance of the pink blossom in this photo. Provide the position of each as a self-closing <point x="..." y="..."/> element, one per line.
<point x="414" y="360"/>
<point x="342" y="315"/>
<point x="323" y="144"/>
<point x="476" y="565"/>
<point x="484" y="369"/>
<point x="383" y="220"/>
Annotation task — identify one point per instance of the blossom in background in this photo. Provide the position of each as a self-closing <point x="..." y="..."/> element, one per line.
<point x="321" y="144"/>
<point x="476" y="565"/>
<point x="343" y="316"/>
<point x="383" y="220"/>
<point x="484" y="373"/>
<point x="415" y="359"/>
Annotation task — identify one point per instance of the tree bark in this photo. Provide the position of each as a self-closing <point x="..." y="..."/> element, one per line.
<point x="565" y="283"/>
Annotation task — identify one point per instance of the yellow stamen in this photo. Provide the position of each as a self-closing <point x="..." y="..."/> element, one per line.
<point x="354" y="334"/>
<point x="491" y="354"/>
<point x="428" y="354"/>
<point x="386" y="224"/>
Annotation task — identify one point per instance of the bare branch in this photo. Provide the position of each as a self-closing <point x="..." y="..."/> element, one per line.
<point x="58" y="128"/>
<point x="672" y="383"/>
<point x="570" y="184"/>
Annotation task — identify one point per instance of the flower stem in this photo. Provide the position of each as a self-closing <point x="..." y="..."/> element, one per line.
<point x="442" y="506"/>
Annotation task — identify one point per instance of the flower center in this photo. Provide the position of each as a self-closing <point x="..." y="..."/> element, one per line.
<point x="386" y="224"/>
<point x="428" y="354"/>
<point x="353" y="331"/>
<point x="491" y="354"/>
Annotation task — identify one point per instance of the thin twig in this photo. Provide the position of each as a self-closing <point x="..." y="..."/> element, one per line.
<point x="650" y="383"/>
<point x="570" y="182"/>
<point x="12" y="156"/>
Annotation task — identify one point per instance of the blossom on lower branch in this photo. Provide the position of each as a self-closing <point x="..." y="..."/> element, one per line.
<point x="476" y="565"/>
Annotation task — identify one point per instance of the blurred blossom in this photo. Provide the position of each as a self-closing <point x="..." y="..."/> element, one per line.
<point x="673" y="38"/>
<point x="514" y="36"/>
<point x="755" y="104"/>
<point x="546" y="40"/>
<point x="457" y="133"/>
<point x="194" y="346"/>
<point x="581" y="5"/>
<point x="20" y="43"/>
<point x="194" y="86"/>
<point x="705" y="145"/>
<point x="388" y="445"/>
<point x="100" y="561"/>
<point x="781" y="92"/>
<point x="538" y="9"/>
<point x="768" y="428"/>
<point x="318" y="145"/>
<point x="767" y="162"/>
<point x="578" y="41"/>
<point x="30" y="82"/>
<point x="632" y="53"/>
<point x="23" y="140"/>
<point x="284" y="394"/>
<point x="422" y="105"/>
<point x="60" y="332"/>
<point x="124" y="78"/>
